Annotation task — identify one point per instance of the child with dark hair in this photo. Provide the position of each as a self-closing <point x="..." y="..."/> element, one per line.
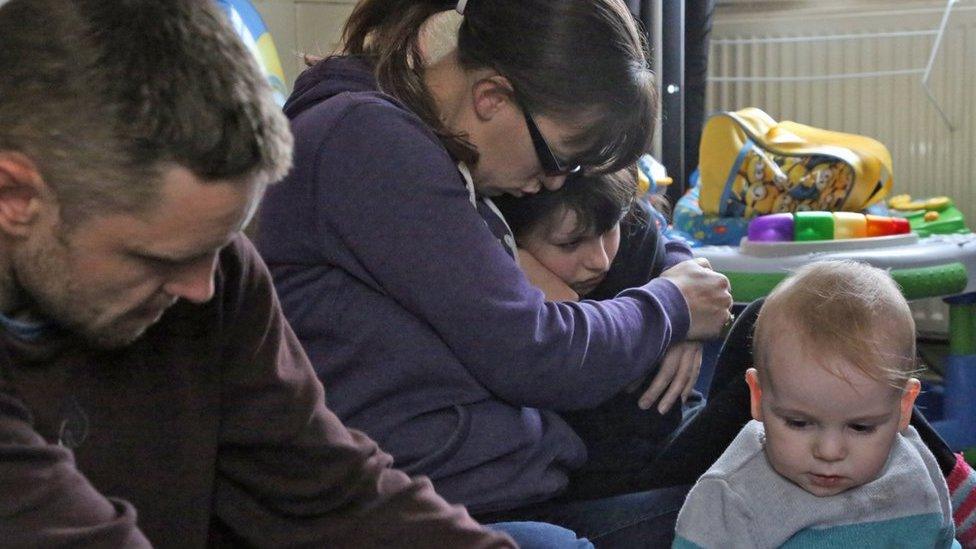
<point x="593" y="239"/>
<point x="577" y="232"/>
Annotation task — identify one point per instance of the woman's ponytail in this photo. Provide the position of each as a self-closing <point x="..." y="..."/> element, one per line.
<point x="579" y="61"/>
<point x="387" y="34"/>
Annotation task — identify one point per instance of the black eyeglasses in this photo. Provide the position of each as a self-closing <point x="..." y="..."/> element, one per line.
<point x="550" y="164"/>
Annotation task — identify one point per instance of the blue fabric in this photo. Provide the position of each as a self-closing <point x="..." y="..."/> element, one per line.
<point x="916" y="531"/>
<point x="540" y="535"/>
<point x="723" y="206"/>
<point x="902" y="533"/>
<point x="642" y="519"/>
<point x="26" y="331"/>
<point x="896" y="533"/>
<point x="682" y="543"/>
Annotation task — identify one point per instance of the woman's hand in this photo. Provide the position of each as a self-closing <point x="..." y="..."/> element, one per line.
<point x="678" y="372"/>
<point x="707" y="294"/>
<point x="544" y="279"/>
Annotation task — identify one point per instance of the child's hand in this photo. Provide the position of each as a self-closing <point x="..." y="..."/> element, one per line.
<point x="679" y="373"/>
<point x="544" y="279"/>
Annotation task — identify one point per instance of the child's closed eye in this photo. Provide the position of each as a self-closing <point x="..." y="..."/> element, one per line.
<point x="793" y="423"/>
<point x="862" y="428"/>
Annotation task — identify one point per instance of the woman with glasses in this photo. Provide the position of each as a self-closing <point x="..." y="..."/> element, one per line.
<point x="398" y="275"/>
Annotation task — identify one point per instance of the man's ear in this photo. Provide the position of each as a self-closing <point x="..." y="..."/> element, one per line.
<point x="21" y="192"/>
<point x="908" y="396"/>
<point x="490" y="95"/>
<point x="755" y="394"/>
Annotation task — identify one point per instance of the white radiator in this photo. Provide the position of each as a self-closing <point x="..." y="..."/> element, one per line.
<point x="857" y="67"/>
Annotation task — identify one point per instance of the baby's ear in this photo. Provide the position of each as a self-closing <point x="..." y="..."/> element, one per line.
<point x="908" y="396"/>
<point x="755" y="394"/>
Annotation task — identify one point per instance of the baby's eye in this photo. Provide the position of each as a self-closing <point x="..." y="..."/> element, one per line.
<point x="569" y="246"/>
<point x="862" y="428"/>
<point x="796" y="423"/>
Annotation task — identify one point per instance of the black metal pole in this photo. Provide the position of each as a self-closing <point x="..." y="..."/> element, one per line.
<point x="673" y="95"/>
<point x="698" y="29"/>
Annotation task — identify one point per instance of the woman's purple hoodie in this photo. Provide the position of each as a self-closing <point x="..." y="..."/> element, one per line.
<point x="423" y="329"/>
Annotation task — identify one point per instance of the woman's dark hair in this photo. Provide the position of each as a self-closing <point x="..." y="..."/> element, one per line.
<point x="599" y="202"/>
<point x="572" y="60"/>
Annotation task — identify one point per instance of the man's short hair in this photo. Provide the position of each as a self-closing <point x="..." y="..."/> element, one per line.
<point x="102" y="95"/>
<point x="843" y="309"/>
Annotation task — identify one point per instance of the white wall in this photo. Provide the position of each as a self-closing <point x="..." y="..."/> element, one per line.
<point x="303" y="26"/>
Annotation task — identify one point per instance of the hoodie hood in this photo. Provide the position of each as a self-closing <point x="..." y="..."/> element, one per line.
<point x="327" y="78"/>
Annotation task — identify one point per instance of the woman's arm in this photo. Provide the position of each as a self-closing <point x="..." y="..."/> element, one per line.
<point x="544" y="279"/>
<point x="675" y="252"/>
<point x="374" y="194"/>
<point x="288" y="472"/>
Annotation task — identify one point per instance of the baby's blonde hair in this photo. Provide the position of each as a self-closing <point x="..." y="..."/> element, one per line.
<point x="843" y="309"/>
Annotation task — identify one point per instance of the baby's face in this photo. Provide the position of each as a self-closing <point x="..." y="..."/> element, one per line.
<point x="824" y="433"/>
<point x="580" y="262"/>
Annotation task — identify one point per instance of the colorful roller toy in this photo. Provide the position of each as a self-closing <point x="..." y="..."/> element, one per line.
<point x="808" y="226"/>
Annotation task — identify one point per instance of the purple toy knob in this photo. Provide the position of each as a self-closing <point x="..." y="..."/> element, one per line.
<point x="772" y="228"/>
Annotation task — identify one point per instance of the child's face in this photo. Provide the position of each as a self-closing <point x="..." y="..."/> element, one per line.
<point x="580" y="262"/>
<point x="823" y="433"/>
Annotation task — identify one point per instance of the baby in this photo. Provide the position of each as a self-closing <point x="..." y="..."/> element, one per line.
<point x="830" y="459"/>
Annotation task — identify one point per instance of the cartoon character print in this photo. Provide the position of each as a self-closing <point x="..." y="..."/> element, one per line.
<point x="838" y="189"/>
<point x="737" y="202"/>
<point x="816" y="183"/>
<point x="807" y="190"/>
<point x="781" y="201"/>
<point x="735" y="206"/>
<point x="767" y="183"/>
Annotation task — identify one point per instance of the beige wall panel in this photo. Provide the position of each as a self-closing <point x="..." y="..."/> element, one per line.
<point x="320" y="25"/>
<point x="279" y="16"/>
<point x="303" y="26"/>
